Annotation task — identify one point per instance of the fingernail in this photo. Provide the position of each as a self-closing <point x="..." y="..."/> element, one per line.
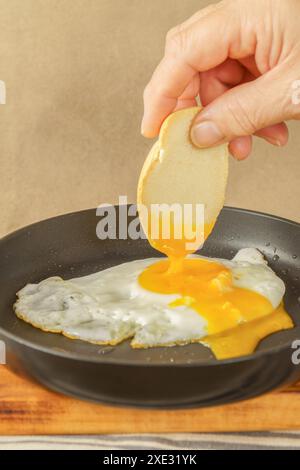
<point x="145" y="129"/>
<point x="273" y="141"/>
<point x="206" y="133"/>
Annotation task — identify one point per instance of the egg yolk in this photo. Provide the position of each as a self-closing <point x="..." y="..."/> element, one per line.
<point x="237" y="318"/>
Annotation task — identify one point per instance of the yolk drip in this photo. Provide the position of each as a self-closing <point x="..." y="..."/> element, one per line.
<point x="237" y="318"/>
<point x="178" y="247"/>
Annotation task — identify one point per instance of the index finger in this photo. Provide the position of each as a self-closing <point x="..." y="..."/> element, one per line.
<point x="199" y="46"/>
<point x="170" y="79"/>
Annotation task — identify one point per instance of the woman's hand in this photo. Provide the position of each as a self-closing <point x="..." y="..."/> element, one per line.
<point x="243" y="59"/>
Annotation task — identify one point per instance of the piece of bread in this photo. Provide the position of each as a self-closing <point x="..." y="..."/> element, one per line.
<point x="175" y="171"/>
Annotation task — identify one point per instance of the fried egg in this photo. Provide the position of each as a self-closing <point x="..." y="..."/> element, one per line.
<point x="112" y="305"/>
<point x="227" y="305"/>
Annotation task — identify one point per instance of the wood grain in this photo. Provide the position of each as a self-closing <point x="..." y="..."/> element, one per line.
<point x="28" y="408"/>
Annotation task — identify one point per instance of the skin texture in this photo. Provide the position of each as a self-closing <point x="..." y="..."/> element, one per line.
<point x="241" y="58"/>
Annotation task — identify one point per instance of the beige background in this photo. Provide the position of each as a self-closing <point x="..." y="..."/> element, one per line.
<point x="69" y="133"/>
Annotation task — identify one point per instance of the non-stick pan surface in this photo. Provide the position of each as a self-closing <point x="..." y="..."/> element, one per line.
<point x="160" y="377"/>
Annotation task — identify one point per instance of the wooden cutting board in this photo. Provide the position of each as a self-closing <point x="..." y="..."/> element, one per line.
<point x="28" y="408"/>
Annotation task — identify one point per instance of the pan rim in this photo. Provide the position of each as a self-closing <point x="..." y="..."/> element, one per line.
<point x="70" y="214"/>
<point x="108" y="360"/>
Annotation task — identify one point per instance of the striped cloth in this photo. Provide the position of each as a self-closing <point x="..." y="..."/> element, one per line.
<point x="226" y="441"/>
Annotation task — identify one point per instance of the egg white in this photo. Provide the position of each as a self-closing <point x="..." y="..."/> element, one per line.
<point x="110" y="306"/>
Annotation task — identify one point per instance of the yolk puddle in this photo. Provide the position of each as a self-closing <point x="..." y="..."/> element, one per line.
<point x="237" y="318"/>
<point x="244" y="339"/>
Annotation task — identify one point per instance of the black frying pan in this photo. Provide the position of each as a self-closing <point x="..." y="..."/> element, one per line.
<point x="160" y="377"/>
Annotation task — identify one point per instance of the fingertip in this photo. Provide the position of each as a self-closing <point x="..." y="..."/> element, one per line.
<point x="240" y="148"/>
<point x="274" y="141"/>
<point x="155" y="112"/>
<point x="149" y="134"/>
<point x="277" y="134"/>
<point x="143" y="131"/>
<point x="148" y="131"/>
<point x="205" y="134"/>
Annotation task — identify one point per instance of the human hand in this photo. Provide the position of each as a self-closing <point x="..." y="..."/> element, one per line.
<point x="241" y="58"/>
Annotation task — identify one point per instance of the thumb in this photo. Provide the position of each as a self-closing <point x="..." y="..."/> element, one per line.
<point x="244" y="110"/>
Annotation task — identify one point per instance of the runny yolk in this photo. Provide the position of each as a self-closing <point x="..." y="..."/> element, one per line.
<point x="237" y="318"/>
